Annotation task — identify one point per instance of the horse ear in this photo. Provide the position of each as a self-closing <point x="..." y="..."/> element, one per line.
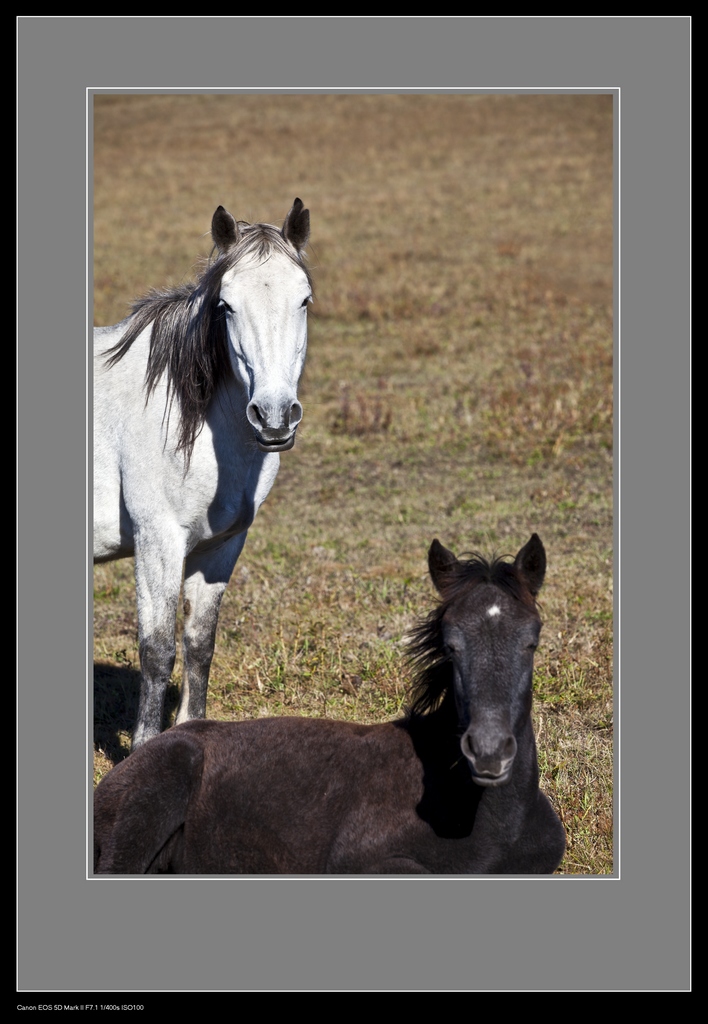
<point x="530" y="563"/>
<point x="296" y="227"/>
<point x="224" y="230"/>
<point x="441" y="563"/>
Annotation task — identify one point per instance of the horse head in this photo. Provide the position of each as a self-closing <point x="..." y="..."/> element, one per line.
<point x="264" y="294"/>
<point x="488" y="630"/>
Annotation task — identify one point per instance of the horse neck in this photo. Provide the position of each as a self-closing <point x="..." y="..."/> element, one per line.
<point x="436" y="734"/>
<point x="526" y="760"/>
<point x="227" y="410"/>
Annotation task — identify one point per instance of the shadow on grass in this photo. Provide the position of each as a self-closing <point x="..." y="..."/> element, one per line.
<point x="116" y="692"/>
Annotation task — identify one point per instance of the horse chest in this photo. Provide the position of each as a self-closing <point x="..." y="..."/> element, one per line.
<point x="223" y="505"/>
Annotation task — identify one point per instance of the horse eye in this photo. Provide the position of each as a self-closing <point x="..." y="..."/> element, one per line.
<point x="223" y="304"/>
<point x="305" y="301"/>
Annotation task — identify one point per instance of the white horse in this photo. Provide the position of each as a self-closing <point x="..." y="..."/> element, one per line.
<point x="194" y="396"/>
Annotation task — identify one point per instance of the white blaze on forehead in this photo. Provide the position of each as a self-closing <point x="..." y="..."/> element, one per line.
<point x="493" y="611"/>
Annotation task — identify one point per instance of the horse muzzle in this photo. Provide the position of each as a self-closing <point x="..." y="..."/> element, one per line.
<point x="274" y="423"/>
<point x="491" y="760"/>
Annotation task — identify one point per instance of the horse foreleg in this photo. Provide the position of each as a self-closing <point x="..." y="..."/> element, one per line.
<point x="158" y="576"/>
<point x="205" y="578"/>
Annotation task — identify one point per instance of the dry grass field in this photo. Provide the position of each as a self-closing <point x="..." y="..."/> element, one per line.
<point x="458" y="385"/>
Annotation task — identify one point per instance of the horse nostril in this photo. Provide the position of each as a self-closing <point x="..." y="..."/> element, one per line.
<point x="255" y="416"/>
<point x="295" y="414"/>
<point x="509" y="747"/>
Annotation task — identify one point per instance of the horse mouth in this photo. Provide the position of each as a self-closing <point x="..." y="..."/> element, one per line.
<point x="490" y="781"/>
<point x="275" y="445"/>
